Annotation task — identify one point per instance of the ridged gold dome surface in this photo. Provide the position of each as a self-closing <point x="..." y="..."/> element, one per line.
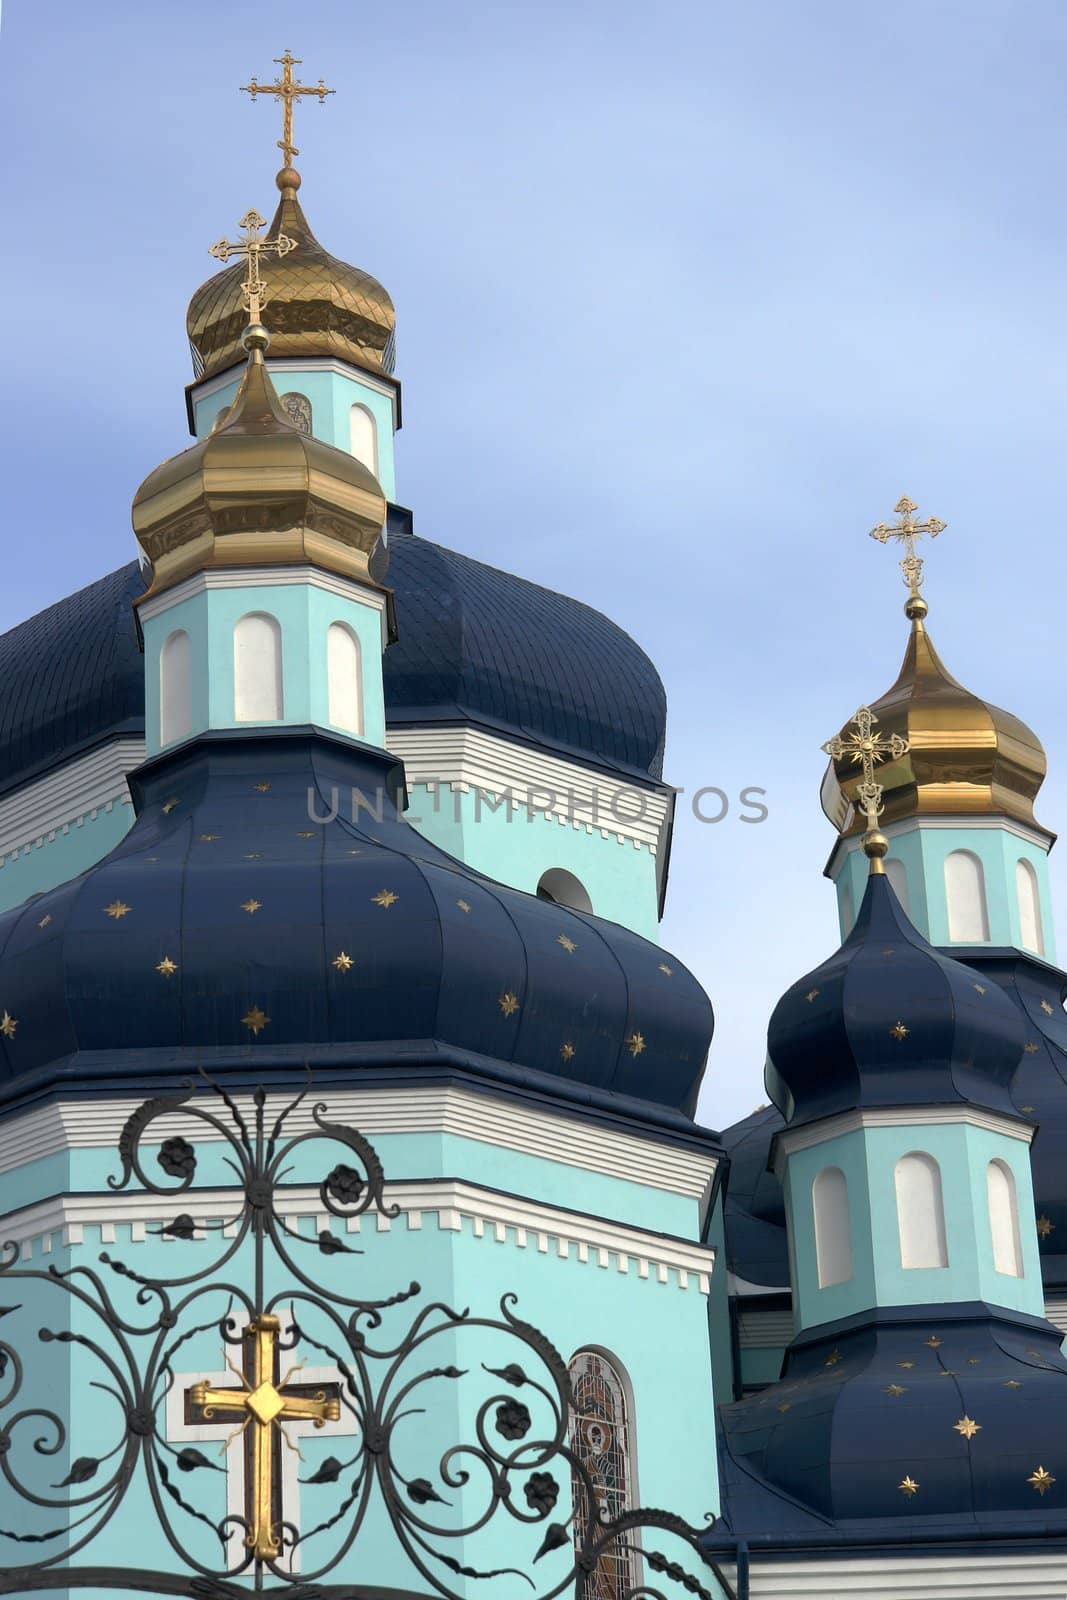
<point x="318" y="306"/>
<point x="258" y="492"/>
<point x="965" y="757"/>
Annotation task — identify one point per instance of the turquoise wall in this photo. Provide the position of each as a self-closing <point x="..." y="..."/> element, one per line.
<point x="922" y="850"/>
<point x="576" y="1304"/>
<point x="304" y="613"/>
<point x="332" y="396"/>
<point x="868" y="1158"/>
<point x="514" y="846"/>
<point x="58" y="860"/>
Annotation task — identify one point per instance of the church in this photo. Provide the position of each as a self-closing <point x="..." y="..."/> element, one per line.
<point x="359" y="1235"/>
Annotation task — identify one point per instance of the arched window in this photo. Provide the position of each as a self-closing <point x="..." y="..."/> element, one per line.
<point x="363" y="437"/>
<point x="175" y="688"/>
<point x="562" y="887"/>
<point x="833" y="1227"/>
<point x="343" y="678"/>
<point x="601" y="1436"/>
<point x="920" y="1211"/>
<point x="1026" y="893"/>
<point x="297" y="408"/>
<point x="1004" y="1219"/>
<point x="897" y="874"/>
<point x="968" y="920"/>
<point x="257" y="669"/>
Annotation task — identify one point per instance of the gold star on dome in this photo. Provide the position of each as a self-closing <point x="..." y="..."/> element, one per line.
<point x="1026" y="1108"/>
<point x="907" y="1365"/>
<point x="786" y="1405"/>
<point x="252" y="906"/>
<point x="635" y="1043"/>
<point x="567" y="1051"/>
<point x="948" y="1372"/>
<point x="308" y="833"/>
<point x="668" y="972"/>
<point x="1041" y="1480"/>
<point x="896" y="1390"/>
<point x="1031" y="1048"/>
<point x="261" y="788"/>
<point x="169" y="806"/>
<point x="1045" y="1227"/>
<point x="117" y="910"/>
<point x="899" y="1031"/>
<point x="568" y="944"/>
<point x="833" y="1358"/>
<point x="343" y="961"/>
<point x="1046" y="1008"/>
<point x="385" y="898"/>
<point x="974" y="1361"/>
<point x="45" y="920"/>
<point x="889" y="952"/>
<point x="463" y="906"/>
<point x="966" y="1427"/>
<point x="1013" y="1383"/>
<point x="812" y="994"/>
<point x="252" y="855"/>
<point x="167" y="967"/>
<point x="934" y="1342"/>
<point x="908" y="1487"/>
<point x="209" y="838"/>
<point x="980" y="987"/>
<point x="8" y="1024"/>
<point x="508" y="1003"/>
<point x="255" y="1019"/>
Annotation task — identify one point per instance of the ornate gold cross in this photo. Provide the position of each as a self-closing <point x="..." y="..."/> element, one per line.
<point x="260" y="1406"/>
<point x="251" y="247"/>
<point x="907" y="530"/>
<point x="866" y="748"/>
<point x="287" y="89"/>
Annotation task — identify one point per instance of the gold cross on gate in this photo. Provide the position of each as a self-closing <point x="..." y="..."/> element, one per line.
<point x="907" y="530"/>
<point x="259" y="1407"/>
<point x="251" y="247"/>
<point x="287" y="89"/>
<point x="866" y="748"/>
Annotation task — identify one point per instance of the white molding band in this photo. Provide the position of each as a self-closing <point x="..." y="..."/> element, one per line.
<point x="450" y="1201"/>
<point x="96" y="1124"/>
<point x="37" y="813"/>
<point x="267" y="578"/>
<point x="293" y="366"/>
<point x="932" y="824"/>
<point x="1013" y="1575"/>
<point x="790" y="1140"/>
<point x="464" y="758"/>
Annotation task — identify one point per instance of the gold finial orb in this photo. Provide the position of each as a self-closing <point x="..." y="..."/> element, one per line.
<point x="255" y="337"/>
<point x="915" y="608"/>
<point x="288" y="178"/>
<point x="875" y="848"/>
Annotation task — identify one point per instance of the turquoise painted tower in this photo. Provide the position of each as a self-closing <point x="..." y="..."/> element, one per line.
<point x="968" y="859"/>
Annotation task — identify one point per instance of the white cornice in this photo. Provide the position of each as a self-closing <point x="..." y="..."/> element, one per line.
<point x="36" y="814"/>
<point x="572" y="1141"/>
<point x="962" y="824"/>
<point x="998" y="1575"/>
<point x="294" y="366"/>
<point x="506" y="1219"/>
<point x="463" y="757"/>
<point x="790" y="1140"/>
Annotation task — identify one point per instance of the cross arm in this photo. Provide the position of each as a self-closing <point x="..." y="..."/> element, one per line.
<point x="317" y="1408"/>
<point x="213" y="1401"/>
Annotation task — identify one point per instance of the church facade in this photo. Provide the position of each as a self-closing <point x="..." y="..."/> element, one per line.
<point x="361" y="1236"/>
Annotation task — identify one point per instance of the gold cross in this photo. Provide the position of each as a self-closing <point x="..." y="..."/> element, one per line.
<point x="261" y="1404"/>
<point x="252" y="247"/>
<point x="907" y="530"/>
<point x="287" y="89"/>
<point x="866" y="748"/>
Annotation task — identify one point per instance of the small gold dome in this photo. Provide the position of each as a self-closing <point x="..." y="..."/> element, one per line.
<point x="965" y="757"/>
<point x="318" y="306"/>
<point x="258" y="492"/>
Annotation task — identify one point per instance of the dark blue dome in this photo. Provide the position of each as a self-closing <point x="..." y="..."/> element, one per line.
<point x="475" y="645"/>
<point x="966" y="1405"/>
<point x="890" y="1021"/>
<point x="72" y="675"/>
<point x="481" y="645"/>
<point x="230" y="929"/>
<point x="757" y="1248"/>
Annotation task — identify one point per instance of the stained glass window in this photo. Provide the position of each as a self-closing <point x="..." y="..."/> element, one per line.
<point x="601" y="1437"/>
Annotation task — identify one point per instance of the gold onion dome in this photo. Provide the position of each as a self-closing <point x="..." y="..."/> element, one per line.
<point x="319" y="306"/>
<point x="964" y="757"/>
<point x="258" y="491"/>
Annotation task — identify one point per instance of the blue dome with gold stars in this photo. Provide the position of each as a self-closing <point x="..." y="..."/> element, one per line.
<point x="890" y="1021"/>
<point x="233" y="926"/>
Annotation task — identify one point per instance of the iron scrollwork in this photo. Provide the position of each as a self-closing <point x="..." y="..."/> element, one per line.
<point x="278" y="1296"/>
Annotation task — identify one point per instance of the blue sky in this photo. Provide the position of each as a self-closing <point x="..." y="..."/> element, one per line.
<point x="688" y="296"/>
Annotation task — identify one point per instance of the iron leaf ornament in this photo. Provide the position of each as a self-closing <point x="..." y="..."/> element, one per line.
<point x="281" y="1303"/>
